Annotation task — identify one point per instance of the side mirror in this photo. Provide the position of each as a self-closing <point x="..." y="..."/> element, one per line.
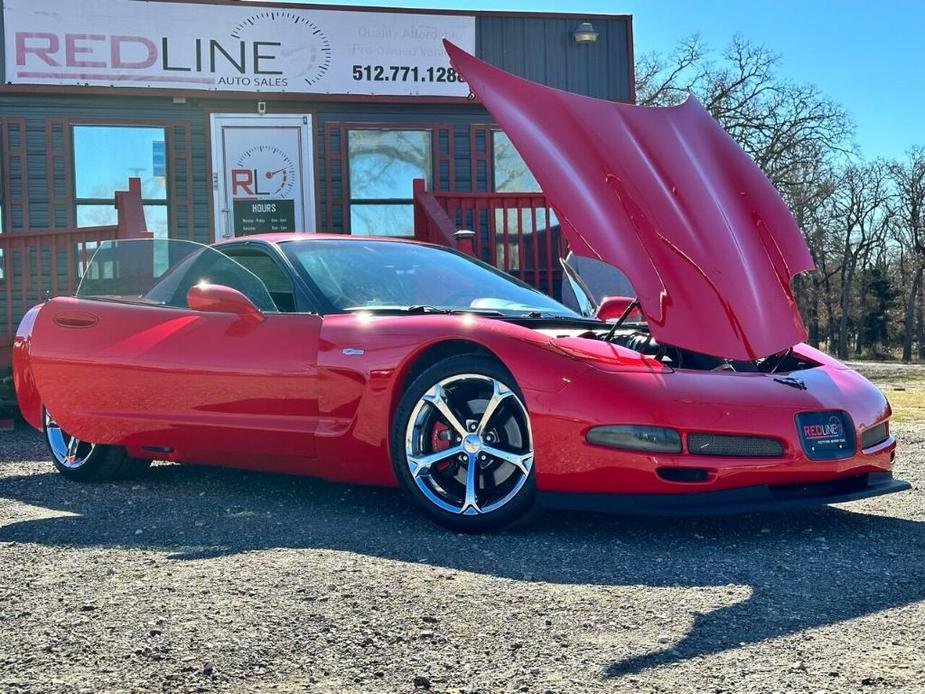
<point x="217" y="298"/>
<point x="612" y="307"/>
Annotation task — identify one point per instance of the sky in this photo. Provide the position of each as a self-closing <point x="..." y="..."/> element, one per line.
<point x="869" y="57"/>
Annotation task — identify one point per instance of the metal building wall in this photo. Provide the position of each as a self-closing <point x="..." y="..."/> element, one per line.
<point x="542" y="49"/>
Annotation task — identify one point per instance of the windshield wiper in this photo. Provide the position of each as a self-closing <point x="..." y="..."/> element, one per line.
<point x="545" y="315"/>
<point x="427" y="309"/>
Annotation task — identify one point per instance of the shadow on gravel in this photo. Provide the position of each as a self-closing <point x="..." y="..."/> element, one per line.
<point x="805" y="570"/>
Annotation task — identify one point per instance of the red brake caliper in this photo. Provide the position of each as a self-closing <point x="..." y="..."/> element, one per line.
<point x="439" y="441"/>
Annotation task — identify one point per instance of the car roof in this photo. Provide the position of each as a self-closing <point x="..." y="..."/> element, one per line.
<point x="280" y="237"/>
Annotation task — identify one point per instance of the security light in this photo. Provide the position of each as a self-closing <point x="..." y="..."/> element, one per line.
<point x="585" y="33"/>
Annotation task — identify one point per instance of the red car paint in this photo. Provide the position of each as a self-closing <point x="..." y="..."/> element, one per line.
<point x="315" y="395"/>
<point x="667" y="196"/>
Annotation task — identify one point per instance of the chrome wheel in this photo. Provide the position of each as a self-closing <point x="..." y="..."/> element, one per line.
<point x="69" y="451"/>
<point x="468" y="444"/>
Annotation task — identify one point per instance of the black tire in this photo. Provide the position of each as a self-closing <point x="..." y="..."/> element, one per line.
<point x="522" y="498"/>
<point x="94" y="462"/>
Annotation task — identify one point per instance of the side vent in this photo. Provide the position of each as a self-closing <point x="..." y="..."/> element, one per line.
<point x="683" y="474"/>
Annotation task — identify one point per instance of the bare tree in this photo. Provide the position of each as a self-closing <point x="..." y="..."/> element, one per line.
<point x="666" y="81"/>
<point x="908" y="231"/>
<point x="859" y="223"/>
<point x="785" y="127"/>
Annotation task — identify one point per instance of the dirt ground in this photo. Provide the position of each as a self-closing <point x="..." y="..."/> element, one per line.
<point x="197" y="579"/>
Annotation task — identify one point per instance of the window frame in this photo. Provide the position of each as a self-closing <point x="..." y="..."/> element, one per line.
<point x="306" y="299"/>
<point x="77" y="202"/>
<point x="431" y="128"/>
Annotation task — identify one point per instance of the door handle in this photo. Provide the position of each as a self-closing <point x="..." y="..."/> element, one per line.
<point x="76" y="319"/>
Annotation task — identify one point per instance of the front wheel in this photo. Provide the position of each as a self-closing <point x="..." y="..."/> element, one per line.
<point x="462" y="446"/>
<point x="88" y="462"/>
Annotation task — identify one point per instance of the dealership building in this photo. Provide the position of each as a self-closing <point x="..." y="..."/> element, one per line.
<point x="245" y="117"/>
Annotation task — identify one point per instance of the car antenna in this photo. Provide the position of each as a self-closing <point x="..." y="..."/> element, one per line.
<point x="626" y="314"/>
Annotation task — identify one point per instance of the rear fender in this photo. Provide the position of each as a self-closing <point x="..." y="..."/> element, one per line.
<point x="27" y="394"/>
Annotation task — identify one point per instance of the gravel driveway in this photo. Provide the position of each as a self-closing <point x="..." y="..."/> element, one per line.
<point x="198" y="579"/>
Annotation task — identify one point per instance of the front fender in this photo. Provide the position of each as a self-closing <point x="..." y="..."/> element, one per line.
<point x="27" y="394"/>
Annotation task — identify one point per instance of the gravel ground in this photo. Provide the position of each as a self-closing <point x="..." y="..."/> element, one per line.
<point x="198" y="579"/>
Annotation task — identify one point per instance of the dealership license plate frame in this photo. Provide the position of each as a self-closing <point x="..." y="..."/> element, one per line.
<point x="821" y="440"/>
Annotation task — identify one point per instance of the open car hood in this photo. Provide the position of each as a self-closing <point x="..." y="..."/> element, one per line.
<point x="668" y="197"/>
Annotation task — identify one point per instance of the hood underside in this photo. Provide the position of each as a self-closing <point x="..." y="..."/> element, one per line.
<point x="666" y="196"/>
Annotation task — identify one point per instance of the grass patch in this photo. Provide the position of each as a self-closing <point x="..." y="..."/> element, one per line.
<point x="908" y="405"/>
<point x="902" y="384"/>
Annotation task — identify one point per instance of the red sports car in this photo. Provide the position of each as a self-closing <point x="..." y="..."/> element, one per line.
<point x="386" y="362"/>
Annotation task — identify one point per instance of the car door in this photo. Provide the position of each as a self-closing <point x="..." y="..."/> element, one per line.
<point x="154" y="373"/>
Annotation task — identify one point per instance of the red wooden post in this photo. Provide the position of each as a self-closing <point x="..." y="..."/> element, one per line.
<point x="421" y="230"/>
<point x="131" y="212"/>
<point x="465" y="241"/>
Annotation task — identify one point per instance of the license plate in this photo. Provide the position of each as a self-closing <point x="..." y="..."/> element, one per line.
<point x="826" y="435"/>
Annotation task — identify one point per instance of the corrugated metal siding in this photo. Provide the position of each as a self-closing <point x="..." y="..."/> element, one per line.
<point x="542" y="49"/>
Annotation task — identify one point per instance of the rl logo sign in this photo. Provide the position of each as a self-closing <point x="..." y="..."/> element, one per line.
<point x="253" y="184"/>
<point x="244" y="183"/>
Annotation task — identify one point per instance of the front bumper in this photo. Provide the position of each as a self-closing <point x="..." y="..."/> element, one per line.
<point x="752" y="499"/>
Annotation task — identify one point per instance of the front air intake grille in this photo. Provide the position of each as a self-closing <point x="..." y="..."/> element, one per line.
<point x="874" y="435"/>
<point x="734" y="446"/>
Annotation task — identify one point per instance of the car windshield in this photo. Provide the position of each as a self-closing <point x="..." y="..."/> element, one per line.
<point x="355" y="274"/>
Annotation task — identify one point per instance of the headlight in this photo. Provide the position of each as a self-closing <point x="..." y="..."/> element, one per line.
<point x="635" y="437"/>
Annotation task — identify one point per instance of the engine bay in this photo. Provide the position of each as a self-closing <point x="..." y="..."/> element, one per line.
<point x="640" y="340"/>
<point x="636" y="337"/>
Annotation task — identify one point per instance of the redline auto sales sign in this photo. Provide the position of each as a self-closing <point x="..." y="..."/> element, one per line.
<point x="137" y="43"/>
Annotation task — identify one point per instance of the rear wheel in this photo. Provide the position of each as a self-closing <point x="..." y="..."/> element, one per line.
<point x="462" y="446"/>
<point x="88" y="462"/>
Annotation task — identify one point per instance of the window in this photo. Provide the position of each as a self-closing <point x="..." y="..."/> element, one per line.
<point x="511" y="172"/>
<point x="383" y="164"/>
<point x="268" y="271"/>
<point x="127" y="270"/>
<point x="105" y="157"/>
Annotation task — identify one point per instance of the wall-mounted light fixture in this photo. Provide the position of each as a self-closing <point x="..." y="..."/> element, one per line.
<point x="585" y="33"/>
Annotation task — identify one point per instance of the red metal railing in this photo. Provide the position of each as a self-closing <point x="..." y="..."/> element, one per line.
<point x="515" y="232"/>
<point x="41" y="263"/>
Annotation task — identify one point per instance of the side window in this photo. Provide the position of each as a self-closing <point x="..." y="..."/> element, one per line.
<point x="214" y="268"/>
<point x="161" y="271"/>
<point x="105" y="156"/>
<point x="268" y="271"/>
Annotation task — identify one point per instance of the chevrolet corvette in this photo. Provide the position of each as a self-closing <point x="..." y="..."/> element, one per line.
<point x="388" y="362"/>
